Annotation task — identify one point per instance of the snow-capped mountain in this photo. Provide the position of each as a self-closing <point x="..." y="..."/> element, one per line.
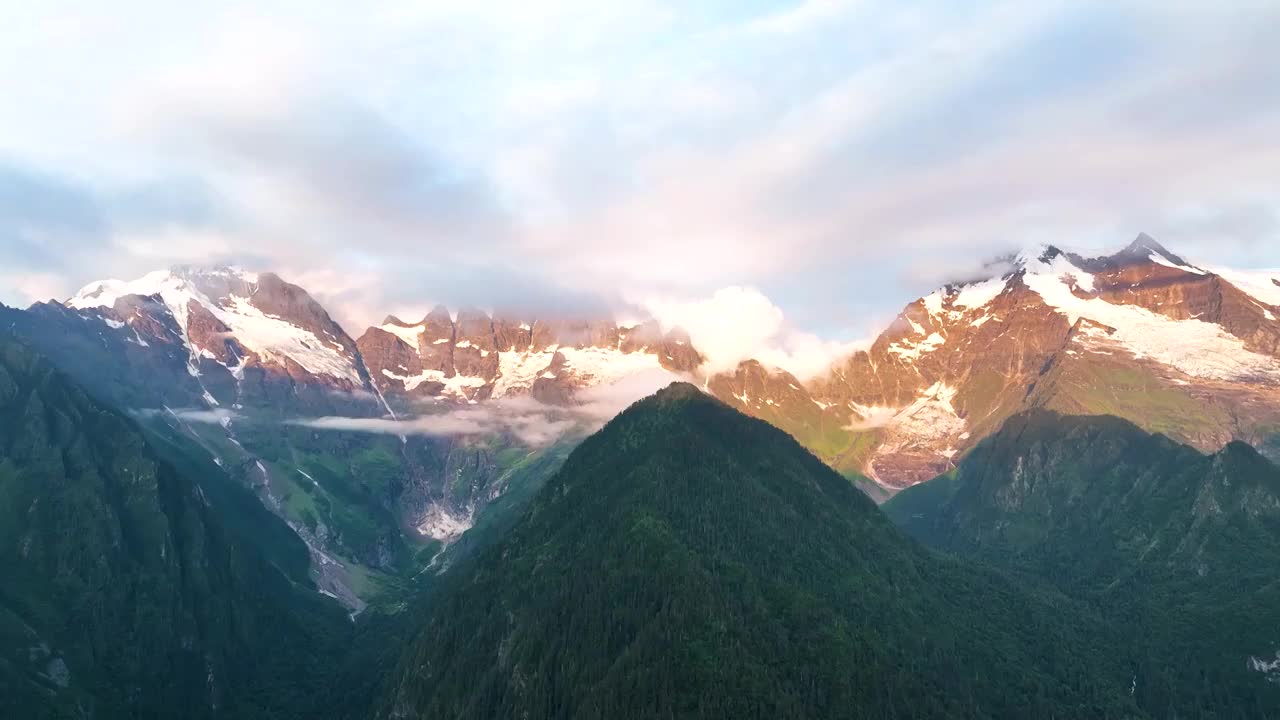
<point x="1185" y="349"/>
<point x="1189" y="350"/>
<point x="477" y="357"/>
<point x="234" y="318"/>
<point x="1193" y="352"/>
<point x="262" y="353"/>
<point x="200" y="337"/>
<point x="232" y="331"/>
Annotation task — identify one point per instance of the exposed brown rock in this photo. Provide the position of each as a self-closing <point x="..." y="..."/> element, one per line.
<point x="435" y="344"/>
<point x="475" y="347"/>
<point x="384" y="353"/>
<point x="211" y="335"/>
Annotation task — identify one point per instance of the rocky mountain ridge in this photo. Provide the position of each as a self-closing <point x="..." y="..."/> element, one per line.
<point x="477" y="357"/>
<point x="1190" y="351"/>
<point x="1141" y="334"/>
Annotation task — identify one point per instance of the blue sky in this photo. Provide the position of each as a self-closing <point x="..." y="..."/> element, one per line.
<point x="836" y="157"/>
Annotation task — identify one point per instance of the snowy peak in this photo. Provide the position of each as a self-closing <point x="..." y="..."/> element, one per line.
<point x="216" y="282"/>
<point x="235" y="318"/>
<point x="1191" y="351"/>
<point x="1145" y="248"/>
<point x="478" y="356"/>
<point x="1146" y="243"/>
<point x="1142" y="333"/>
<point x="1143" y="252"/>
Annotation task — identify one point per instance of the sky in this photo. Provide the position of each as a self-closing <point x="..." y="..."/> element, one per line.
<point x="782" y="177"/>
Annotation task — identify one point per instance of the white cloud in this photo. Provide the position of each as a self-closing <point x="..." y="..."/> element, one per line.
<point x="35" y="286"/>
<point x="670" y="147"/>
<point x="798" y="18"/>
<point x="210" y="416"/>
<point x="532" y="422"/>
<point x="740" y="323"/>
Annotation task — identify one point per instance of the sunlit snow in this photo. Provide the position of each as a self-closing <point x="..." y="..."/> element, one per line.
<point x="1197" y="348"/>
<point x="272" y="338"/>
<point x="408" y="334"/>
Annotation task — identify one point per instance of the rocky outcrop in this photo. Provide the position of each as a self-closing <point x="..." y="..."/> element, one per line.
<point x="213" y="336"/>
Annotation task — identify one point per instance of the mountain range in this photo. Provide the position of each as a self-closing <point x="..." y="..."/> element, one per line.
<point x="215" y="503"/>
<point x="368" y="447"/>
<point x="1189" y="351"/>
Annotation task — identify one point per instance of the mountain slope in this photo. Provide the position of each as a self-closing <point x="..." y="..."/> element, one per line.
<point x="1179" y="546"/>
<point x="1141" y="334"/>
<point x="238" y="320"/>
<point x="125" y="595"/>
<point x="690" y="561"/>
<point x="200" y="337"/>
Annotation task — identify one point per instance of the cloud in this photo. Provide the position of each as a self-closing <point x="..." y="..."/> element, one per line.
<point x="533" y="423"/>
<point x="207" y="416"/>
<point x="43" y="218"/>
<point x="830" y="153"/>
<point x="56" y="229"/>
<point x="326" y="164"/>
<point x="798" y="18"/>
<point x="740" y="323"/>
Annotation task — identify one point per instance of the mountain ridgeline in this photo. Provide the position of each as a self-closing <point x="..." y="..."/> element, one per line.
<point x="690" y="561"/>
<point x="125" y="592"/>
<point x="1177" y="548"/>
<point x="1086" y="523"/>
<point x="1191" y="351"/>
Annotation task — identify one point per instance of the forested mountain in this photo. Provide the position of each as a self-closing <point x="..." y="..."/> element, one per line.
<point x="1178" y="548"/>
<point x="689" y="561"/>
<point x="133" y="589"/>
<point x="686" y="560"/>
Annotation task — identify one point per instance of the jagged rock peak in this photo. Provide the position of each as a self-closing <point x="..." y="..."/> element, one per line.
<point x="1144" y="245"/>
<point x="438" y="314"/>
<point x="1146" y="242"/>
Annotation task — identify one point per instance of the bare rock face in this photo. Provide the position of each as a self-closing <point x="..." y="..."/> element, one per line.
<point x="214" y="337"/>
<point x="512" y="335"/>
<point x="544" y="335"/>
<point x="479" y="357"/>
<point x="387" y="354"/>
<point x="551" y="386"/>
<point x="475" y="349"/>
<point x="435" y="343"/>
<point x="148" y="318"/>
<point x="676" y="352"/>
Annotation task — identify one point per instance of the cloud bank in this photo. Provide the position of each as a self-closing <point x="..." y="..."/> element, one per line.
<point x="740" y="323"/>
<point x="533" y="423"/>
<point x="839" y="157"/>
